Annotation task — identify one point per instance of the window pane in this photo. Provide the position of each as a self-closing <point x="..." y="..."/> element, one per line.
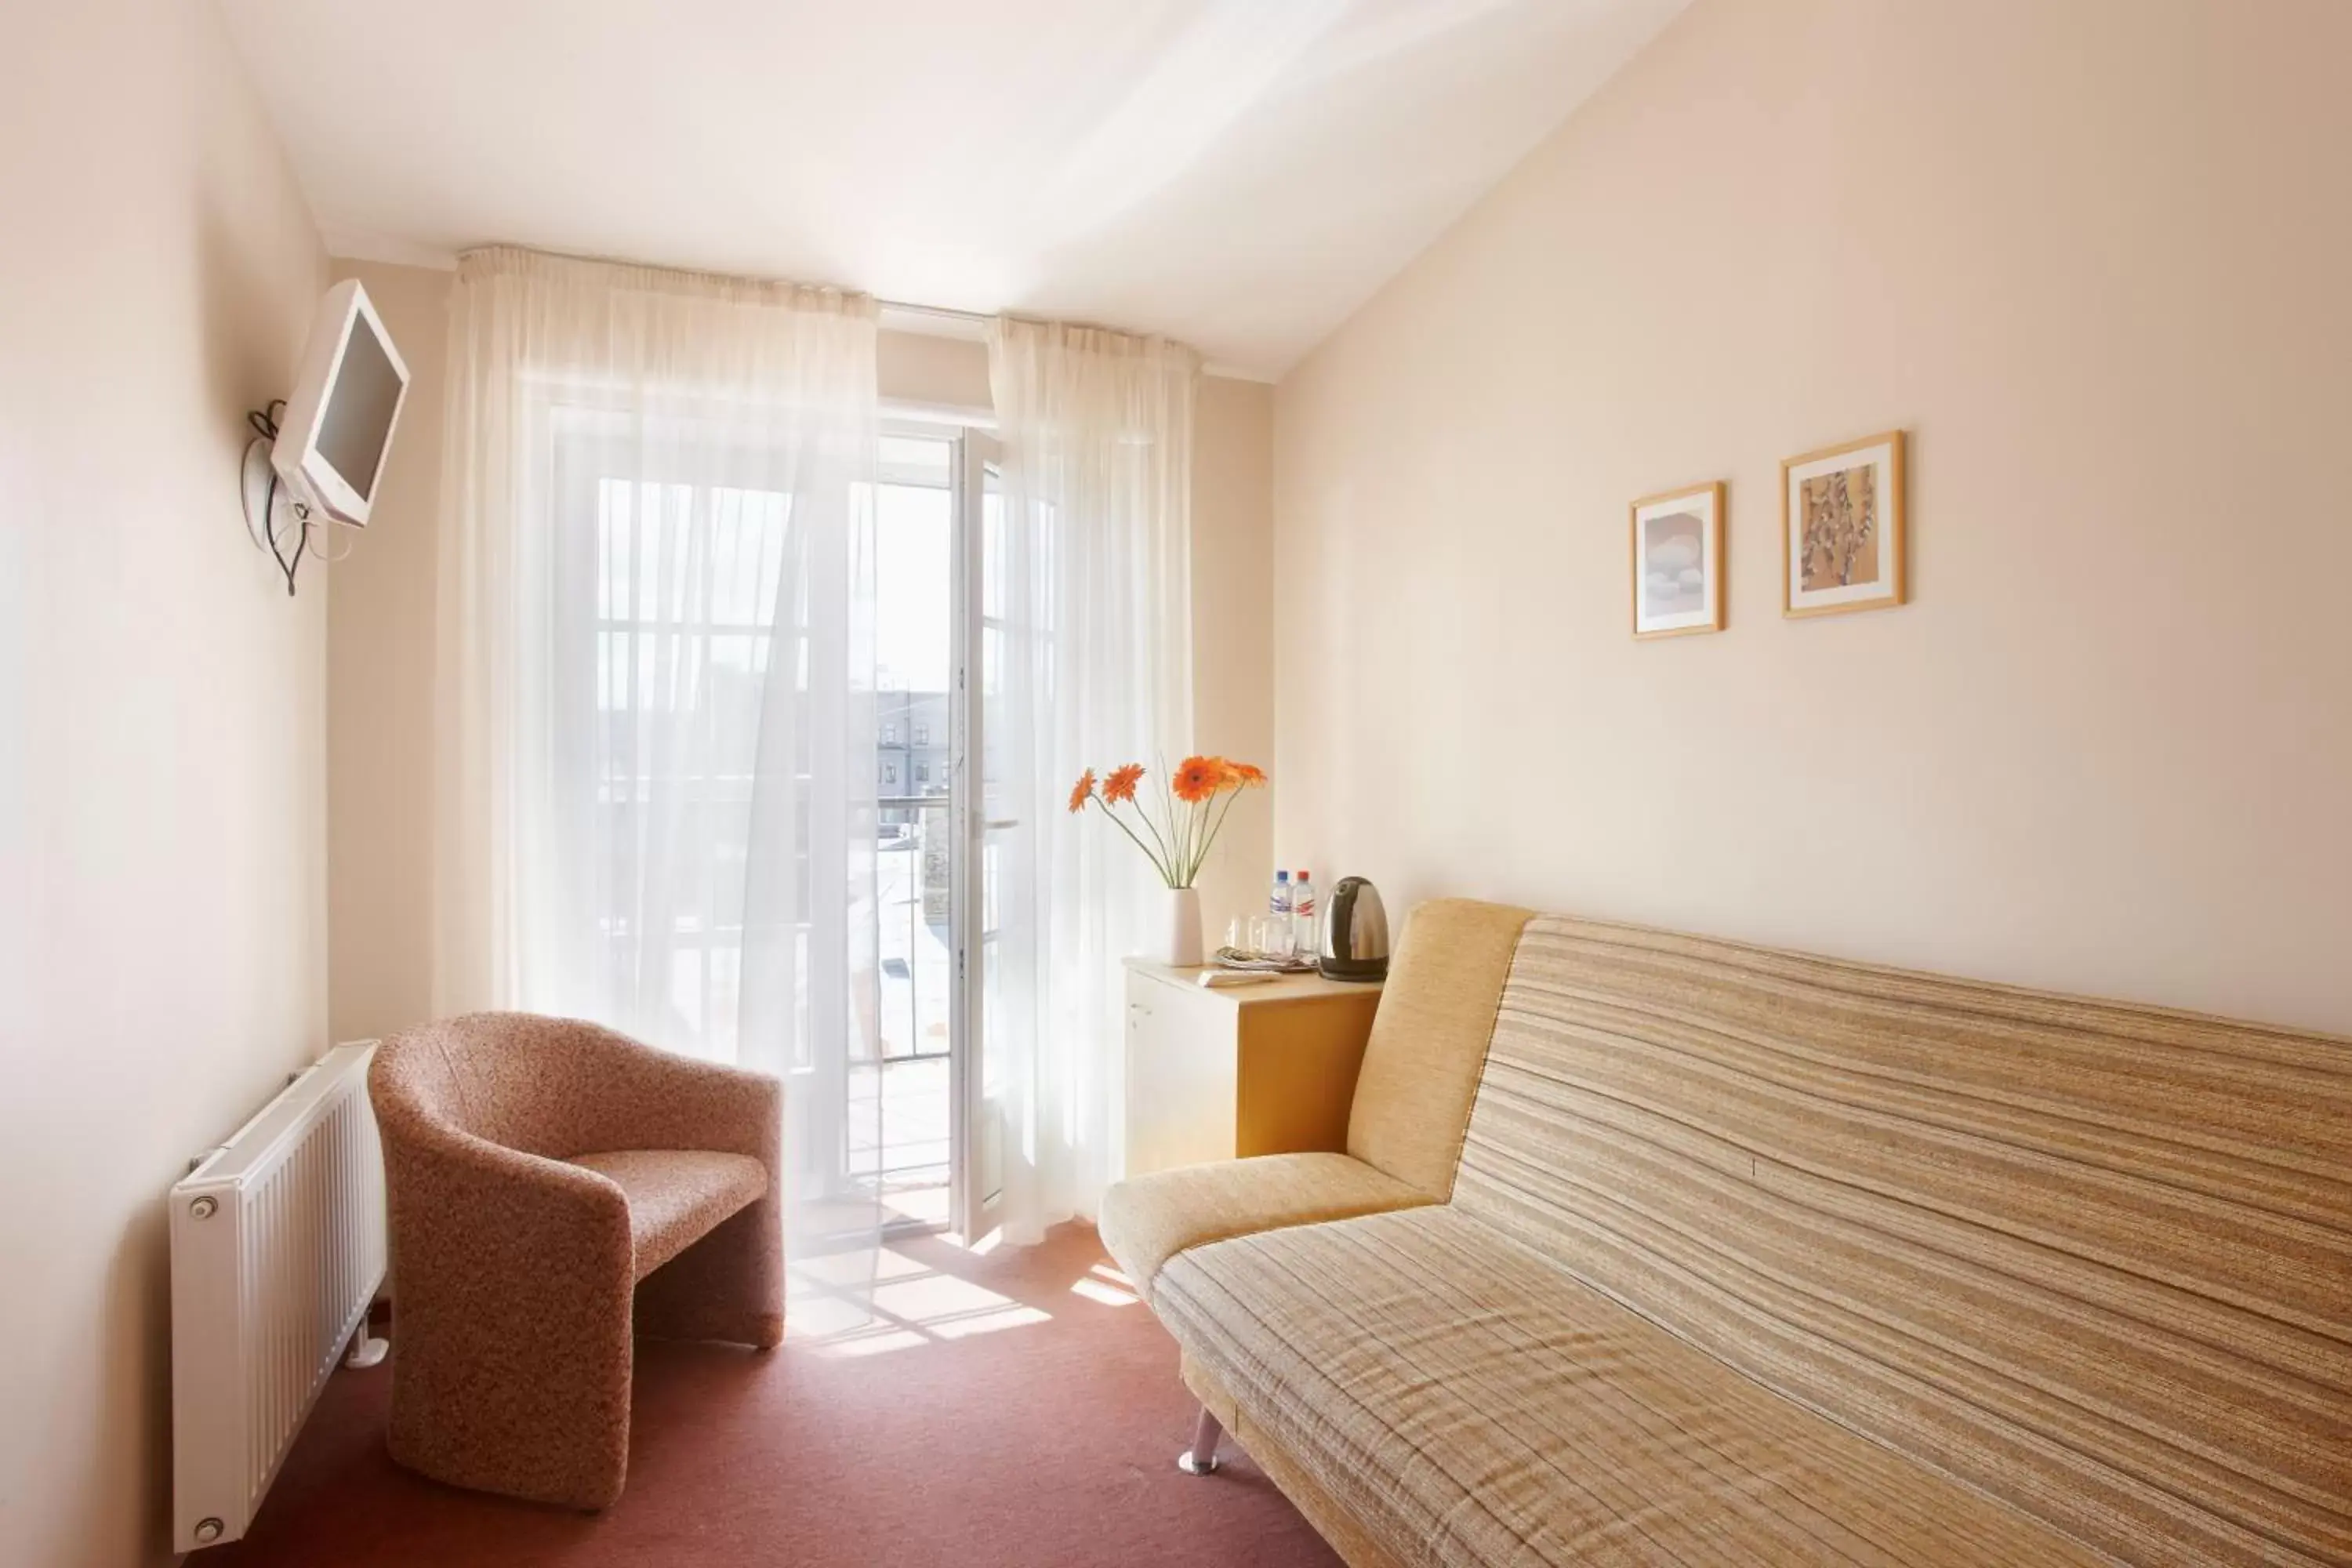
<point x="688" y="581"/>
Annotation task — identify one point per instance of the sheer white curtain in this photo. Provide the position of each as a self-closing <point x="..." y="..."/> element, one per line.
<point x="1092" y="565"/>
<point x="655" y="808"/>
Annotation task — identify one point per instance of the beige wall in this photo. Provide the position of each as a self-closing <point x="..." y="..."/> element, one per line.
<point x="1233" y="630"/>
<point x="163" y="768"/>
<point x="917" y="368"/>
<point x="2093" y="256"/>
<point x="381" y="653"/>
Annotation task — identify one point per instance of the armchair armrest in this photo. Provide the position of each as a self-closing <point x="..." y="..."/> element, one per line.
<point x="730" y="1285"/>
<point x="511" y="1271"/>
<point x="474" y="1218"/>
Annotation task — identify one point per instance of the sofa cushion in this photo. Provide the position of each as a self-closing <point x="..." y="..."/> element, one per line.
<point x="1429" y="1041"/>
<point x="1151" y="1219"/>
<point x="1468" y="1403"/>
<point x="676" y="1196"/>
<point x="2093" y="1259"/>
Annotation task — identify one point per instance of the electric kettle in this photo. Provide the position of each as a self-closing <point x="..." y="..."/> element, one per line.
<point x="1355" y="942"/>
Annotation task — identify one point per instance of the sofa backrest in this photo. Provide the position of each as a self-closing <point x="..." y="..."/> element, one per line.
<point x="2094" y="1259"/>
<point x="1429" y="1040"/>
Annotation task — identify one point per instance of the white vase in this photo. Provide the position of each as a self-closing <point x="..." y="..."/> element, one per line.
<point x="1176" y="936"/>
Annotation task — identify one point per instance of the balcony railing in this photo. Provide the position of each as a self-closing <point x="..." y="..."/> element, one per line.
<point x="914" y="870"/>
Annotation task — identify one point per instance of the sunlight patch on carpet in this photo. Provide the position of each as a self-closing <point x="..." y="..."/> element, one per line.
<point x="1107" y="1284"/>
<point x="888" y="1300"/>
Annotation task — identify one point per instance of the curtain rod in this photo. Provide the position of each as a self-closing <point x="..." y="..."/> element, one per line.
<point x="938" y="310"/>
<point x="932" y="320"/>
<point x="938" y="321"/>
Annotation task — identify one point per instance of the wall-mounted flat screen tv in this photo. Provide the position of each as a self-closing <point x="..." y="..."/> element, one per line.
<point x="338" y="425"/>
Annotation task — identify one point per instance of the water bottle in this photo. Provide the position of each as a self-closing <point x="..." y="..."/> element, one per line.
<point x="1277" y="909"/>
<point x="1302" y="915"/>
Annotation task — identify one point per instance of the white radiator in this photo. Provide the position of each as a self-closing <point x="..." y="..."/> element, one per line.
<point x="277" y="1247"/>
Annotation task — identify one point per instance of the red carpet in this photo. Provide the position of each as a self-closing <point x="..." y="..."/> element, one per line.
<point x="970" y="1436"/>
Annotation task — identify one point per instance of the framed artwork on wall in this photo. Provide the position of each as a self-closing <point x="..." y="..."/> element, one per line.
<point x="1841" y="528"/>
<point x="1678" y="562"/>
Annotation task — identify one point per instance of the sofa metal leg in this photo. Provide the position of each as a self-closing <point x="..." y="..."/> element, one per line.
<point x="1201" y="1459"/>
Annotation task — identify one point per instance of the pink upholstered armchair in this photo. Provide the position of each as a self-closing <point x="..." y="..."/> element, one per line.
<point x="542" y="1172"/>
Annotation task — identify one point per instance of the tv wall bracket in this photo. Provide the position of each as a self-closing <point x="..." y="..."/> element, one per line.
<point x="258" y="481"/>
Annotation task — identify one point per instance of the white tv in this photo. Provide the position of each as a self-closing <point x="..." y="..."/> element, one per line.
<point x="339" y="420"/>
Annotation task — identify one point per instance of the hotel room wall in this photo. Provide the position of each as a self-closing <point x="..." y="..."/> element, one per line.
<point x="2092" y="256"/>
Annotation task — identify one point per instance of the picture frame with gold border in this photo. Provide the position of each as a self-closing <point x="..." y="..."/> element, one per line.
<point x="1845" y="531"/>
<point x="1677" y="559"/>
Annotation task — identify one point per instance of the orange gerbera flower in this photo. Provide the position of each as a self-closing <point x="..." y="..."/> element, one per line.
<point x="1198" y="778"/>
<point x="1121" y="783"/>
<point x="1248" y="775"/>
<point x="1082" y="792"/>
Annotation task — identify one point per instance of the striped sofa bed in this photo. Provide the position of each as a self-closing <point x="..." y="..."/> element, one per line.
<point x="1650" y="1248"/>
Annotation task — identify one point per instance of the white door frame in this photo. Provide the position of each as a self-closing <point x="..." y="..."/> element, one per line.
<point x="974" y="1200"/>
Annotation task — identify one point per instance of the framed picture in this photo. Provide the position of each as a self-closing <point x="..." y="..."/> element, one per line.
<point x="1841" y="528"/>
<point x="1678" y="562"/>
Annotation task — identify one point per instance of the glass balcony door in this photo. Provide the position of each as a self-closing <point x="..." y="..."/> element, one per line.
<point x="926" y="1137"/>
<point x="903" y="1144"/>
<point x="984" y="817"/>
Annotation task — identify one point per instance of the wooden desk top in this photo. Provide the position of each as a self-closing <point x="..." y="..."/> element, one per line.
<point x="1283" y="988"/>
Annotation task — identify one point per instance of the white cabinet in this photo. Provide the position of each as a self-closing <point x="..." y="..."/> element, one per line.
<point x="1255" y="1069"/>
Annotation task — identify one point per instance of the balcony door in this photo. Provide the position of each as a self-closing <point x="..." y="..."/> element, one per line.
<point x="926" y="1114"/>
<point x="987" y="819"/>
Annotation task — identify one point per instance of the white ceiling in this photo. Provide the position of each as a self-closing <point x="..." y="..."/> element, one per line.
<point x="1238" y="173"/>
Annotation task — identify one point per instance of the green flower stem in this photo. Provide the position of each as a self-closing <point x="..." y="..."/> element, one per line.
<point x="1157" y="864"/>
<point x="1168" y="809"/>
<point x="1166" y="858"/>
